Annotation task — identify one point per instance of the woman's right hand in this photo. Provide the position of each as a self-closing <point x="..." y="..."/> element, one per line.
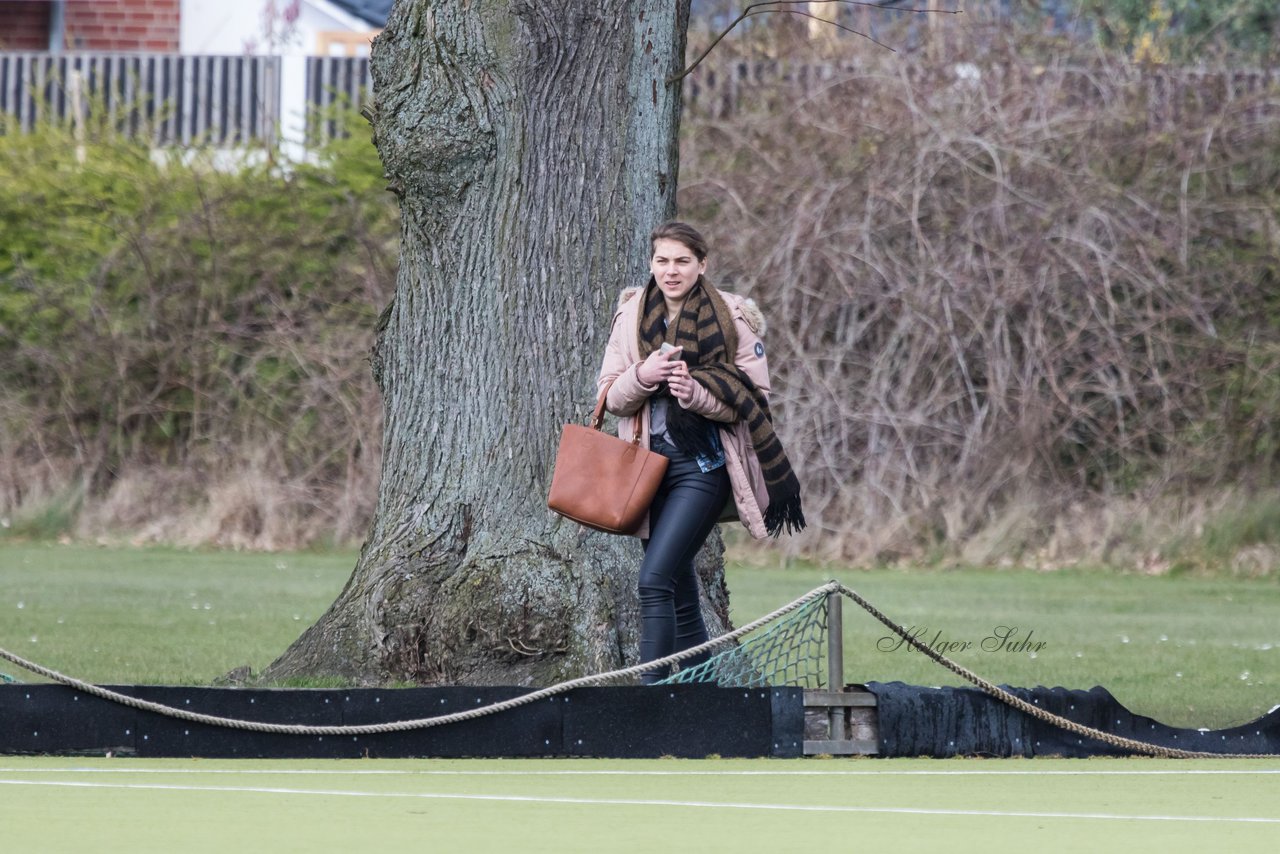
<point x="659" y="367"/>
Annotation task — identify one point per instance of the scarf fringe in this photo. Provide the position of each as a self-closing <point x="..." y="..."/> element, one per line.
<point x="690" y="431"/>
<point x="784" y="514"/>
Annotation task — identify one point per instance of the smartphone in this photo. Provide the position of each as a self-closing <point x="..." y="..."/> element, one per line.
<point x="667" y="348"/>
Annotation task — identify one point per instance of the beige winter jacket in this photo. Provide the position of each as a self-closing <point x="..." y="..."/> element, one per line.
<point x="628" y="399"/>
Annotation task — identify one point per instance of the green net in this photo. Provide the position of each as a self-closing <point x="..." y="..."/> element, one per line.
<point x="791" y="651"/>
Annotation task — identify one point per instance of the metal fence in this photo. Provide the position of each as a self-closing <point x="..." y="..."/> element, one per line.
<point x="229" y="101"/>
<point x="173" y="99"/>
<point x="723" y="88"/>
<point x="223" y="101"/>
<point x="335" y="80"/>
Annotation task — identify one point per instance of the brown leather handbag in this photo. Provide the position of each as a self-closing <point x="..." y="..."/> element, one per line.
<point x="601" y="481"/>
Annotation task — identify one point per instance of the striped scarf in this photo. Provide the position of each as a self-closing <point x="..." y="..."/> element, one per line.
<point x="706" y="332"/>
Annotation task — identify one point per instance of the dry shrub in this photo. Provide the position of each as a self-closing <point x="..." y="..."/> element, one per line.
<point x="1019" y="313"/>
<point x="186" y="347"/>
<point x="1000" y="292"/>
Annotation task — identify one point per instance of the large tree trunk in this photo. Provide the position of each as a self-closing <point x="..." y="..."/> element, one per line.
<point x="533" y="145"/>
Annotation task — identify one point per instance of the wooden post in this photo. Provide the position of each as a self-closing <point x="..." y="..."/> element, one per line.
<point x="821" y="16"/>
<point x="835" y="660"/>
<point x="934" y="20"/>
<point x="839" y="722"/>
<point x="76" y="85"/>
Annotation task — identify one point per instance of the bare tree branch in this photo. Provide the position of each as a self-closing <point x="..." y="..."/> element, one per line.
<point x="754" y="9"/>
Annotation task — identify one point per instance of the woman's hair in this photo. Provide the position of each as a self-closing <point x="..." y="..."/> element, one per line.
<point x="682" y="232"/>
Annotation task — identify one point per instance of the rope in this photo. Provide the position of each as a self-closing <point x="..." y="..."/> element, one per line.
<point x="420" y="723"/>
<point x="833" y="586"/>
<point x="1033" y="710"/>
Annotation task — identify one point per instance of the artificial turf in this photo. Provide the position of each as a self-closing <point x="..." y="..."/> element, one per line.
<point x="134" y="805"/>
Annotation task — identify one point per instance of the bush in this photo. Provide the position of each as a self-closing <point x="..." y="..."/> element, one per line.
<point x="1018" y="311"/>
<point x="999" y="289"/>
<point x="1184" y="30"/>
<point x="160" y="314"/>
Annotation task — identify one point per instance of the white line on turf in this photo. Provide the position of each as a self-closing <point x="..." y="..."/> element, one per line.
<point x="648" y="803"/>
<point x="585" y="772"/>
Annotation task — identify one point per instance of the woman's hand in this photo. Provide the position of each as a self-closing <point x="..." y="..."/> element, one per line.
<point x="681" y="384"/>
<point x="660" y="367"/>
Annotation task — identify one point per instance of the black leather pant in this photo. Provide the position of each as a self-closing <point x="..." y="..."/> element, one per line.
<point x="687" y="505"/>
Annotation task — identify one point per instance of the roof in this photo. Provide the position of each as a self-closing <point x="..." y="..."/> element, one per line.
<point x="373" y="12"/>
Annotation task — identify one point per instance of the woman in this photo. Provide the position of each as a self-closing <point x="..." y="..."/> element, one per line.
<point x="687" y="360"/>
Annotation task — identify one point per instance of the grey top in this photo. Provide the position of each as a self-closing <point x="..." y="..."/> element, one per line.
<point x="658" y="428"/>
<point x="658" y="418"/>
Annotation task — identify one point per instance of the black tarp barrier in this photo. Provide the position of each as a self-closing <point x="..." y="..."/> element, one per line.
<point x="945" y="722"/>
<point x="690" y="721"/>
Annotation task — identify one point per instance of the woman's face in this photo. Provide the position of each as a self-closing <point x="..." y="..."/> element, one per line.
<point x="675" y="268"/>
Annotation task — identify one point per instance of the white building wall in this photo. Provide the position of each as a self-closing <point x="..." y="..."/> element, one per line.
<point x="236" y="27"/>
<point x="232" y="26"/>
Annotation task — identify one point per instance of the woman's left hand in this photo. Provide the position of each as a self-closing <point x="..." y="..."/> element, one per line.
<point x="681" y="384"/>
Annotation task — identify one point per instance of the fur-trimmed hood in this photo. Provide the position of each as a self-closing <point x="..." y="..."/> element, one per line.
<point x="745" y="306"/>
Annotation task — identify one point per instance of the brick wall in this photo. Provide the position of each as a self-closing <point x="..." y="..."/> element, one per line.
<point x="123" y="25"/>
<point x="24" y="25"/>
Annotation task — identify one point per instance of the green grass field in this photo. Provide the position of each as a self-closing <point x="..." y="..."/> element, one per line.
<point x="56" y="805"/>
<point x="1189" y="651"/>
<point x="1201" y="652"/>
<point x="1194" y="652"/>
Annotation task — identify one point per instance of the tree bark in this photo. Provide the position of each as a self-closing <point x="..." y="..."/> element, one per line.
<point x="532" y="144"/>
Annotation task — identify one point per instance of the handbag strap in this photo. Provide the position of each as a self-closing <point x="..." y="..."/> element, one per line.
<point x="597" y="417"/>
